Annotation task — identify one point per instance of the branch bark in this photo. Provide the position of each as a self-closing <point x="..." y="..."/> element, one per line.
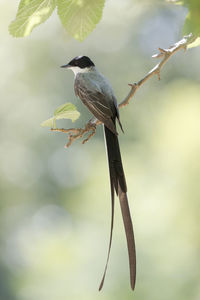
<point x="165" y="54"/>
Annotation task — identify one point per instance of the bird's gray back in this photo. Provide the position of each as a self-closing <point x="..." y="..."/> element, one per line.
<point x="95" y="81"/>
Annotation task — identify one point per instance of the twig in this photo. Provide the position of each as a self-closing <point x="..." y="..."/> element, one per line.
<point x="76" y="133"/>
<point x="165" y="54"/>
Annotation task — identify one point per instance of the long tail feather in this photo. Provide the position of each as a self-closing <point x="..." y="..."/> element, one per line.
<point x="118" y="182"/>
<point x="129" y="235"/>
<point x="111" y="233"/>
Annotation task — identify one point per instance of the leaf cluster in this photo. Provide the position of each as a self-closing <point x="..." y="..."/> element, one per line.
<point x="79" y="17"/>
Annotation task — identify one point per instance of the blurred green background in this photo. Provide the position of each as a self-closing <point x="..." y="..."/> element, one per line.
<point x="55" y="202"/>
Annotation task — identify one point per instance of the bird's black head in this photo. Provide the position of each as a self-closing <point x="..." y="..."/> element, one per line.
<point x="80" y="61"/>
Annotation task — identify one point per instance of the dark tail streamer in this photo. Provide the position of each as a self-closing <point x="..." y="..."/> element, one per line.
<point x="118" y="183"/>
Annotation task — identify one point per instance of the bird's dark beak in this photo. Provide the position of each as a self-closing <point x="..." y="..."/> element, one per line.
<point x="65" y="66"/>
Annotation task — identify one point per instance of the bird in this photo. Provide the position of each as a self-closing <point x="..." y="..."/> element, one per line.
<point x="96" y="93"/>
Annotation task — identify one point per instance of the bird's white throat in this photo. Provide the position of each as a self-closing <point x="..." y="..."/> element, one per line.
<point x="77" y="70"/>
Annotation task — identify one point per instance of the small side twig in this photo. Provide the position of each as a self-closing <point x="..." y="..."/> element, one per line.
<point x="165" y="54"/>
<point x="76" y="133"/>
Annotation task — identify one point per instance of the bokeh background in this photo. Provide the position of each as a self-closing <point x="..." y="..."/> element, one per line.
<point x="55" y="202"/>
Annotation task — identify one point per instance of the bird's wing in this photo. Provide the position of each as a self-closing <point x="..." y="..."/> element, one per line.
<point x="97" y="103"/>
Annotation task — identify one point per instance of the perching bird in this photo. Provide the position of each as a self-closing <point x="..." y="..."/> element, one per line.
<point x="97" y="94"/>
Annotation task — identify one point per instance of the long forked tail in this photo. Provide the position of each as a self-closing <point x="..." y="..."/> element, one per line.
<point x="118" y="183"/>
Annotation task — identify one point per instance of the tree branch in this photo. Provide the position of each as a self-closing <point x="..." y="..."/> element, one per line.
<point x="77" y="133"/>
<point x="165" y="54"/>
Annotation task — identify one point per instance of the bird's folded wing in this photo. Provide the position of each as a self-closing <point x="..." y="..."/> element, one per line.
<point x="97" y="103"/>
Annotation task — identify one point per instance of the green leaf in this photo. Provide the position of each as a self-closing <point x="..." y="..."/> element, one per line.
<point x="30" y="14"/>
<point x="65" y="108"/>
<point x="64" y="111"/>
<point x="48" y="123"/>
<point x="192" y="23"/>
<point x="79" y="17"/>
<point x="195" y="43"/>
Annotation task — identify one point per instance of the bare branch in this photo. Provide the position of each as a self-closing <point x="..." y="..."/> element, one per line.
<point x="76" y="133"/>
<point x="165" y="54"/>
